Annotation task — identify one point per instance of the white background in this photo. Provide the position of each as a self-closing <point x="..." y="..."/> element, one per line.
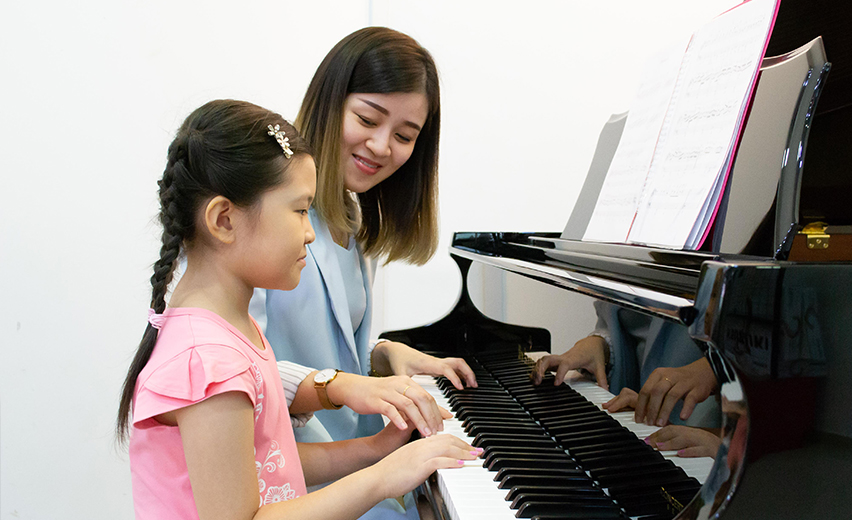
<point x="92" y="92"/>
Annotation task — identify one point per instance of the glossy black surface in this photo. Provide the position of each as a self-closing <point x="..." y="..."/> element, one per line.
<point x="762" y="321"/>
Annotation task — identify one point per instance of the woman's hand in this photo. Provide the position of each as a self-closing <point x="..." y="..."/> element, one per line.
<point x="688" y="441"/>
<point x="390" y="357"/>
<point x="625" y="400"/>
<point x="410" y="465"/>
<point x="398" y="398"/>
<point x="666" y="386"/>
<point x="588" y="354"/>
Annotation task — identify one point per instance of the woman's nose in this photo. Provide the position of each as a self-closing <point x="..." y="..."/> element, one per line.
<point x="379" y="143"/>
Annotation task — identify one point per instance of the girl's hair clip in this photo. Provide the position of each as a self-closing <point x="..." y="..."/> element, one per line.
<point x="278" y="134"/>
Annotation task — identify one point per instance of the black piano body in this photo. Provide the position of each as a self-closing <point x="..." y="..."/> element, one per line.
<point x="768" y="324"/>
<point x="776" y="331"/>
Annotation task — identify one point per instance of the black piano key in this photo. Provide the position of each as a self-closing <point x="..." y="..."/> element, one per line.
<point x="531" y="494"/>
<point x="490" y="415"/>
<point x="510" y="481"/>
<point x="529" y="462"/>
<point x="569" y="510"/>
<point x="653" y="486"/>
<point x="580" y="420"/>
<point x="508" y="443"/>
<point x="588" y="492"/>
<point x="536" y="451"/>
<point x="650" y="475"/>
<point x="629" y="467"/>
<point x="566" y="472"/>
<point x="578" y="442"/>
<point x="475" y="428"/>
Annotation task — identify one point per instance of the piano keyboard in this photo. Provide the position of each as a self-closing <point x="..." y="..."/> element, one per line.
<point x="607" y="472"/>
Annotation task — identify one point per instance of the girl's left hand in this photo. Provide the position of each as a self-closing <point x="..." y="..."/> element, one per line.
<point x="400" y="359"/>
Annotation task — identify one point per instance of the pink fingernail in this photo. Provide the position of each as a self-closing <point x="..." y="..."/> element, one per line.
<point x="461" y="462"/>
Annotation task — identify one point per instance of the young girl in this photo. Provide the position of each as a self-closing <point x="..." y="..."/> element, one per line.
<point x="372" y="113"/>
<point x="210" y="434"/>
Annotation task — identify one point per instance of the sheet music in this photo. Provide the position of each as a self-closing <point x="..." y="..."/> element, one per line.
<point x="619" y="195"/>
<point x="702" y="125"/>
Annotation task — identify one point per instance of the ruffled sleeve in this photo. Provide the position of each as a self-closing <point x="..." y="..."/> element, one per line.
<point x="192" y="376"/>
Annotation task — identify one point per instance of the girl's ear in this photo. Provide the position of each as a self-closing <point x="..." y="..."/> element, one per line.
<point x="218" y="218"/>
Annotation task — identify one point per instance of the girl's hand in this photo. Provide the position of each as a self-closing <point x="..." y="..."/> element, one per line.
<point x="390" y="357"/>
<point x="588" y="354"/>
<point x="398" y="398"/>
<point x="625" y="400"/>
<point x="688" y="441"/>
<point x="410" y="465"/>
<point x="666" y="386"/>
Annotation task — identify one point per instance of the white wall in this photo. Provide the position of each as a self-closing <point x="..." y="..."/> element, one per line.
<point x="525" y="94"/>
<point x="92" y="93"/>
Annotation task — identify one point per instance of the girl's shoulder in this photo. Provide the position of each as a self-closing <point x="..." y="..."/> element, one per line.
<point x="194" y="348"/>
<point x="197" y="355"/>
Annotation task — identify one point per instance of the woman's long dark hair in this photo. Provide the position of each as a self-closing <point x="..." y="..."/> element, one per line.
<point x="222" y="148"/>
<point x="398" y="217"/>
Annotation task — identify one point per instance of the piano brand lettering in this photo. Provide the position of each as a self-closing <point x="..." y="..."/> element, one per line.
<point x="748" y="339"/>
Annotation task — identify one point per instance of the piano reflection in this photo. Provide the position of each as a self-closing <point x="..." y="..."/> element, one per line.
<point x="769" y="327"/>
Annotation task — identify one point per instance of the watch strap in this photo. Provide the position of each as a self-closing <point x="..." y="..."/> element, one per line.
<point x="322" y="393"/>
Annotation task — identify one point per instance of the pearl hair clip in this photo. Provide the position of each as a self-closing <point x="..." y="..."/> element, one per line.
<point x="275" y="131"/>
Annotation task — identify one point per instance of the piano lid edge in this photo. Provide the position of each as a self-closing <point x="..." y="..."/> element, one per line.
<point x="641" y="299"/>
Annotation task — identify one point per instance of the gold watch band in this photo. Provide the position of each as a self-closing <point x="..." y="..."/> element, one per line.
<point x="322" y="393"/>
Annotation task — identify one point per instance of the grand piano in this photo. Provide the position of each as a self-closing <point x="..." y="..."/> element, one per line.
<point x="772" y="321"/>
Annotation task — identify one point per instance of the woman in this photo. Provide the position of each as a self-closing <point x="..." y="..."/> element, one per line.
<point x="372" y="114"/>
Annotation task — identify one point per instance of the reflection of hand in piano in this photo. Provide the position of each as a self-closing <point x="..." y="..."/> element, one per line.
<point x="686" y="440"/>
<point x="666" y="386"/>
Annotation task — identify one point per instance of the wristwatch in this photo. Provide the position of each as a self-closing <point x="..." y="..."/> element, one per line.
<point x="321" y="381"/>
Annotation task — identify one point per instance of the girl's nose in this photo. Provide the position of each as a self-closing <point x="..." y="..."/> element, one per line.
<point x="310" y="236"/>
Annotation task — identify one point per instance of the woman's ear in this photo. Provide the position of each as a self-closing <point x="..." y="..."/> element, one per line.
<point x="219" y="219"/>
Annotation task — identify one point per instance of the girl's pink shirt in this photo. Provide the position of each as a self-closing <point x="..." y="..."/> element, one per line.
<point x="198" y="354"/>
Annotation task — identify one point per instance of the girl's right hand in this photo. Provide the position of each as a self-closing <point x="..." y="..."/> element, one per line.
<point x="398" y="398"/>
<point x="409" y="466"/>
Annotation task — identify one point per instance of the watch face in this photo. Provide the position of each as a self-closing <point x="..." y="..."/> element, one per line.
<point x="325" y="375"/>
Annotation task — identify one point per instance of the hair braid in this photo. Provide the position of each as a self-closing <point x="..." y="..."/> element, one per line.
<point x="173" y="236"/>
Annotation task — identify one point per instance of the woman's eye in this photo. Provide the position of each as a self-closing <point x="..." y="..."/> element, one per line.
<point x="403" y="138"/>
<point x="365" y="120"/>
